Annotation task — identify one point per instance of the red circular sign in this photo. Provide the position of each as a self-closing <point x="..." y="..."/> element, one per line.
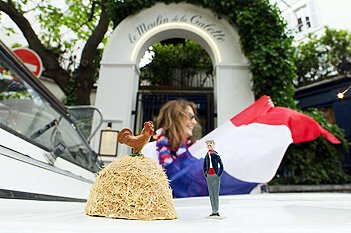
<point x="31" y="59"/>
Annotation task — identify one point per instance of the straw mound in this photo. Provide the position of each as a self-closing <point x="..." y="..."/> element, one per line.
<point x="131" y="188"/>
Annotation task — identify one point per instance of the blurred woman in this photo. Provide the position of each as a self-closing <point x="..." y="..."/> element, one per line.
<point x="176" y="122"/>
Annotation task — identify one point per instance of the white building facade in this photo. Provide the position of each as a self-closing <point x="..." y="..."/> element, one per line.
<point x="311" y="16"/>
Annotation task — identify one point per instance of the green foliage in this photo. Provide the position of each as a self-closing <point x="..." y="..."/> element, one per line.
<point x="71" y="95"/>
<point x="265" y="42"/>
<point x="320" y="57"/>
<point x="64" y="28"/>
<point x="316" y="162"/>
<point x="7" y="30"/>
<point x="169" y="57"/>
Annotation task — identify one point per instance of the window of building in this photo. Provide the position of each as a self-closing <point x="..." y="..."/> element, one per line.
<point x="303" y="21"/>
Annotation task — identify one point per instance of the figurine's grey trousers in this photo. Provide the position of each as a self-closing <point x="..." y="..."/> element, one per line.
<point x="213" y="183"/>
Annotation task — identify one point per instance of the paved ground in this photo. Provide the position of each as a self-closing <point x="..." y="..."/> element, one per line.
<point x="293" y="212"/>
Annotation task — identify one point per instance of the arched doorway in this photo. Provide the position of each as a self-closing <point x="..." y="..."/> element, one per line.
<point x="119" y="72"/>
<point x="173" y="69"/>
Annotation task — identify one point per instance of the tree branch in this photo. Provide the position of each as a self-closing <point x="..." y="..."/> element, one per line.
<point x="52" y="67"/>
<point x="90" y="48"/>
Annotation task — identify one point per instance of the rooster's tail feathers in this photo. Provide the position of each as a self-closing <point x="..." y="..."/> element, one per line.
<point x="123" y="135"/>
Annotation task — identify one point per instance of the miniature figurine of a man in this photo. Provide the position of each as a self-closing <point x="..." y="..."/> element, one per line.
<point x="213" y="169"/>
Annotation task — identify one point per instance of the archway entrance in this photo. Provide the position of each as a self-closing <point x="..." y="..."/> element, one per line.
<point x="173" y="69"/>
<point x="119" y="72"/>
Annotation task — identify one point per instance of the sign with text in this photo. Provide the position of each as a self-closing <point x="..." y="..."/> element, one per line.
<point x="195" y="20"/>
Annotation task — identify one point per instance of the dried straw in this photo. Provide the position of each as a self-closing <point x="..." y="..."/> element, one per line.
<point x="132" y="188"/>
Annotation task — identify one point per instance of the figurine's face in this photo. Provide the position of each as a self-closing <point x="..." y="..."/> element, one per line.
<point x="210" y="145"/>
<point x="190" y="121"/>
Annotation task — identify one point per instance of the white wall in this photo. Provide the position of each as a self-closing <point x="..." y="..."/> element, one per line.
<point x="53" y="88"/>
<point x="58" y="93"/>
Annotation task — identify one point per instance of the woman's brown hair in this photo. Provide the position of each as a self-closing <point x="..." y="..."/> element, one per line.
<point x="171" y="118"/>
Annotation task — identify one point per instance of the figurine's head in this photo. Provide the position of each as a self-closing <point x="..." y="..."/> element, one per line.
<point x="210" y="144"/>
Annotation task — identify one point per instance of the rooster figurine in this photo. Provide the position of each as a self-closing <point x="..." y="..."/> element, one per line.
<point x="126" y="136"/>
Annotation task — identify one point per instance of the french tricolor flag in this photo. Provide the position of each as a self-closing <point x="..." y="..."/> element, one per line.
<point x="251" y="144"/>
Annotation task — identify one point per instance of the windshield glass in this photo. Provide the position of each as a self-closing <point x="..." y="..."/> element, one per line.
<point x="25" y="111"/>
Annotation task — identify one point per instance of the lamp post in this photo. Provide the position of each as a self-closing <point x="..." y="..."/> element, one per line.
<point x="344" y="67"/>
<point x="340" y="95"/>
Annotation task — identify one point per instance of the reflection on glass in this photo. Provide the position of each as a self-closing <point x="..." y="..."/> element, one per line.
<point x="25" y="111"/>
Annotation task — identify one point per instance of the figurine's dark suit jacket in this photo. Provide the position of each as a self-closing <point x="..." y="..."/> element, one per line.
<point x="216" y="160"/>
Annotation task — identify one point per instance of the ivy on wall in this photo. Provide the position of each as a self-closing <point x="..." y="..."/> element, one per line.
<point x="172" y="64"/>
<point x="266" y="43"/>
